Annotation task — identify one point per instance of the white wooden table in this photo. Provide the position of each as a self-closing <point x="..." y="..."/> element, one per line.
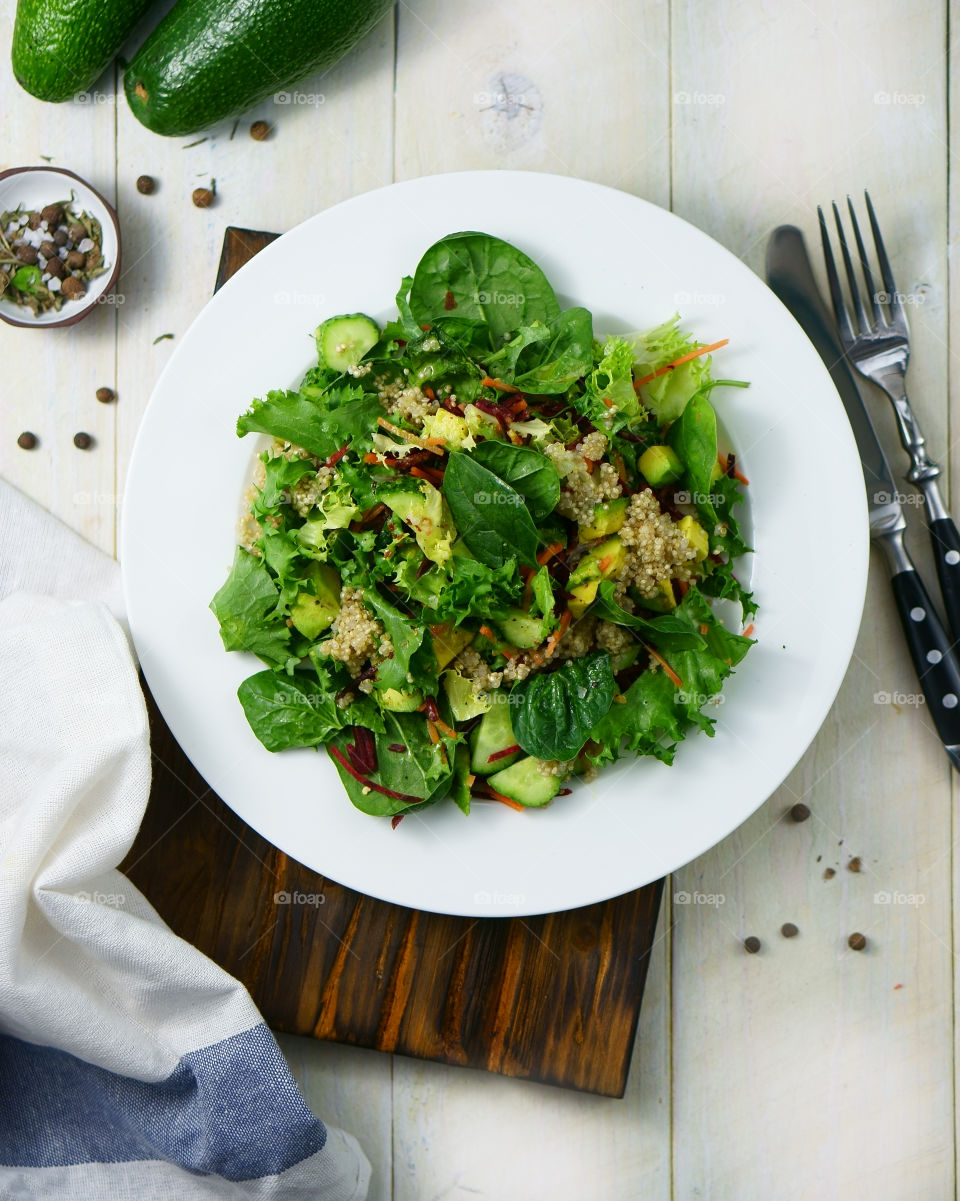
<point x="807" y="1070"/>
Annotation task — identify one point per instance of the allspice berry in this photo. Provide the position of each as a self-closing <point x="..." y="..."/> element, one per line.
<point x="146" y="185"/>
<point x="105" y="395"/>
<point x="751" y="944"/>
<point x="203" y="197"/>
<point x="856" y="942"/>
<point x="259" y="131"/>
<point x="73" y="288"/>
<point x="27" y="441"/>
<point x="789" y="930"/>
<point x="799" y="812"/>
<point x="82" y="441"/>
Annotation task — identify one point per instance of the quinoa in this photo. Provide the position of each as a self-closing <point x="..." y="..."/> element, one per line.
<point x="407" y="402"/>
<point x="556" y="767"/>
<point x="612" y="638"/>
<point x="582" y="490"/>
<point x="357" y="635"/>
<point x="656" y="549"/>
<point x="308" y="490"/>
<point x="474" y="667"/>
<point x="578" y="640"/>
<point x="249" y="530"/>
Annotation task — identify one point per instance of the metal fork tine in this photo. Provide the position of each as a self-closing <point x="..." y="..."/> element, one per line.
<point x="863" y="324"/>
<point x="886" y="273"/>
<point x="878" y="316"/>
<point x="836" y="292"/>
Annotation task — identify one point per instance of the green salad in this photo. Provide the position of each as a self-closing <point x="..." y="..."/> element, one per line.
<point x="479" y="555"/>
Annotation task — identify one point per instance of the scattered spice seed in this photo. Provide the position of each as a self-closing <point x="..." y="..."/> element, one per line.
<point x="82" y="441"/>
<point x="854" y="865"/>
<point x="800" y="812"/>
<point x="856" y="942"/>
<point x="198" y="142"/>
<point x="105" y="395"/>
<point x="828" y="873"/>
<point x="259" y="131"/>
<point x="203" y="197"/>
<point x="27" y="441"/>
<point x="751" y="944"/>
<point x="146" y="185"/>
<point x="789" y="930"/>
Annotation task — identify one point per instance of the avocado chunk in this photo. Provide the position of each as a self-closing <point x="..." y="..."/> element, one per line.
<point x="660" y="465"/>
<point x="448" y="641"/>
<point x="602" y="562"/>
<point x="663" y="601"/>
<point x="312" y="612"/>
<point x="427" y="514"/>
<point x="522" y="630"/>
<point x="696" y="535"/>
<point x="606" y="520"/>
<point x="466" y="698"/>
<point x="492" y="735"/>
<point x="398" y="701"/>
<point x="526" y="783"/>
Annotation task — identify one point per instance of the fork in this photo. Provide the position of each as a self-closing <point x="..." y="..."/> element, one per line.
<point x="879" y="349"/>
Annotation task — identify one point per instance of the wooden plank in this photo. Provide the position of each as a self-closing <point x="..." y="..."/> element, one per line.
<point x="809" y="1069"/>
<point x="50" y="377"/>
<point x="583" y="93"/>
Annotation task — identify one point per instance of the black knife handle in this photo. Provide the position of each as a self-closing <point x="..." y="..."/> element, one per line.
<point x="930" y="646"/>
<point x="946" y="551"/>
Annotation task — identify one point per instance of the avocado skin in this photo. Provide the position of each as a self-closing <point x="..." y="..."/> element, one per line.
<point x="210" y="60"/>
<point x="61" y="47"/>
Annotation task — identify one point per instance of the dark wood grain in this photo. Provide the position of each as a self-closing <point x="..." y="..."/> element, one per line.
<point x="553" y="998"/>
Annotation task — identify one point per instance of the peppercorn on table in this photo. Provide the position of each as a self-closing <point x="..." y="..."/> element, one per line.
<point x="797" y="1032"/>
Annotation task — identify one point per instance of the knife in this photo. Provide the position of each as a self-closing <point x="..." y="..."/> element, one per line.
<point x="790" y="276"/>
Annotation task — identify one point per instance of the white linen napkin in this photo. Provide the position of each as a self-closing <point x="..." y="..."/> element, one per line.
<point x="131" y="1066"/>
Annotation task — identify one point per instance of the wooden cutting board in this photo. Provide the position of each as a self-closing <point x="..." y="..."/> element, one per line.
<point x="553" y="998"/>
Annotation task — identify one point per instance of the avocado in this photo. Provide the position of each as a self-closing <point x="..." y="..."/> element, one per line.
<point x="619" y="660"/>
<point x="606" y="520"/>
<point x="427" y="514"/>
<point x="313" y="611"/>
<point x="397" y="701"/>
<point x="208" y="61"/>
<point x="526" y="783"/>
<point x="696" y="535"/>
<point x="448" y="641"/>
<point x="466" y="699"/>
<point x="492" y="735"/>
<point x="585" y="579"/>
<point x="663" y="601"/>
<point x="660" y="465"/>
<point x="60" y="50"/>
<point x="522" y="630"/>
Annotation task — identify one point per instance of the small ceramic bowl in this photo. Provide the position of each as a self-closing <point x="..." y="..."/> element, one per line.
<point x="35" y="187"/>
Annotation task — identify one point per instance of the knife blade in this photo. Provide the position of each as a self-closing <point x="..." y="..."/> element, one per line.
<point x="790" y="275"/>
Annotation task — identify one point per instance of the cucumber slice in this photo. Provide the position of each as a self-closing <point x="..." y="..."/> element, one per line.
<point x="343" y="341"/>
<point x="520" y="629"/>
<point x="493" y="734"/>
<point x="525" y="783"/>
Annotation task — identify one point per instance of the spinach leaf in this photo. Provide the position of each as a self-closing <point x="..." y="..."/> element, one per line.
<point x="694" y="437"/>
<point x="556" y="711"/>
<point x="423" y="770"/>
<point x="666" y="631"/>
<point x="247" y="609"/>
<point x="485" y="287"/>
<point x="531" y="473"/>
<point x="490" y="515"/>
<point x="565" y="358"/>
<point x="320" y="424"/>
<point x="286" y="711"/>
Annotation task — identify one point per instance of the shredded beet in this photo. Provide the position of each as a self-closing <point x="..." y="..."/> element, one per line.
<point x="565" y="792"/>
<point x="430" y="705"/>
<point x="397" y="747"/>
<point x="396" y="820"/>
<point x="337" y="455"/>
<point x="351" y="770"/>
<point x="365" y="750"/>
<point x="510" y="750"/>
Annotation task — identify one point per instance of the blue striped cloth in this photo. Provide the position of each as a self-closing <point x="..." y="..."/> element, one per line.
<point x="131" y="1066"/>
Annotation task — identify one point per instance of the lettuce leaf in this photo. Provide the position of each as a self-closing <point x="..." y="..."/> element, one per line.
<point x="667" y="394"/>
<point x="248" y="610"/>
<point x="340" y="415"/>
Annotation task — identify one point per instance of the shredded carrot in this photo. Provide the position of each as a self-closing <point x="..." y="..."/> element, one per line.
<point x="703" y="629"/>
<point x="548" y="552"/>
<point x="369" y="457"/>
<point x="605" y="563"/>
<point x="407" y="435"/>
<point x="748" y="632"/>
<point x="488" y="633"/>
<point x="489" y="382"/>
<point x="738" y="475"/>
<point x="684" y="358"/>
<point x="429" y="393"/>
<point x="608" y="402"/>
<point x="505" y="800"/>
<point x="432" y="731"/>
<point x="682" y="586"/>
<point x="421" y="473"/>
<point x="448" y="730"/>
<point x="674" y="678"/>
<point x="434" y="441"/>
<point x="591" y="463"/>
<point x="617" y="459"/>
<point x="471" y="780"/>
<point x="526" y="572"/>
<point x="552" y="642"/>
<point x="515" y="438"/>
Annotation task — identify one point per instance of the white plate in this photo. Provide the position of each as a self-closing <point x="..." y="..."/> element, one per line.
<point x="633" y="264"/>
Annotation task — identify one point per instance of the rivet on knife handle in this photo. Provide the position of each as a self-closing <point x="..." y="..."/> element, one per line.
<point x="946" y="551"/>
